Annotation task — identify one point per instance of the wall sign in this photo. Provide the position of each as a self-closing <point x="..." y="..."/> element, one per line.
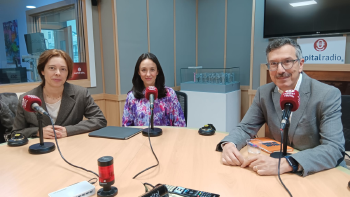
<point x="79" y="71"/>
<point x="328" y="50"/>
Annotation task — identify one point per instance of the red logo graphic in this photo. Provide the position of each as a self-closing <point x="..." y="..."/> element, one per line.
<point x="152" y="88"/>
<point x="79" y="71"/>
<point x="320" y="45"/>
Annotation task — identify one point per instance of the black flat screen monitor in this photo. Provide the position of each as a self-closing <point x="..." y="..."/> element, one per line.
<point x="35" y="43"/>
<point x="13" y="75"/>
<point x="319" y="18"/>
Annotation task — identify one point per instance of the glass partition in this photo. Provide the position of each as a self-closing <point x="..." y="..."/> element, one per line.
<point x="28" y="30"/>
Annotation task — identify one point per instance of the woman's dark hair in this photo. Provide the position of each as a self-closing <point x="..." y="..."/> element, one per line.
<point x="137" y="82"/>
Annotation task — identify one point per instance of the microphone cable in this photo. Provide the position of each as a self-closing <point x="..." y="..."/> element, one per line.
<point x="58" y="148"/>
<point x="279" y="164"/>
<point x="149" y="139"/>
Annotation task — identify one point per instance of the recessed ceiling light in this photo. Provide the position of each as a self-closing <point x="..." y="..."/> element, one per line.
<point x="303" y="3"/>
<point x="30" y="6"/>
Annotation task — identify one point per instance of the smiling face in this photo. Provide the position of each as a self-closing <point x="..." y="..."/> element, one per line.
<point x="55" y="72"/>
<point x="148" y="72"/>
<point x="285" y="79"/>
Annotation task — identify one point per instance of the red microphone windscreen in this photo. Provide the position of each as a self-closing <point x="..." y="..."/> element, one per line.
<point x="28" y="100"/>
<point x="290" y="96"/>
<point x="151" y="90"/>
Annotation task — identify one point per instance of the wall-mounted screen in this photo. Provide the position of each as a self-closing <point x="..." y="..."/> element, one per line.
<point x="306" y="17"/>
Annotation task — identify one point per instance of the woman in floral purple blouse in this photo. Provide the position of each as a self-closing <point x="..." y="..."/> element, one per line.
<point x="167" y="109"/>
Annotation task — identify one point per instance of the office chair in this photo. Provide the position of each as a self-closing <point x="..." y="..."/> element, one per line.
<point x="345" y="119"/>
<point x="8" y="108"/>
<point x="182" y="97"/>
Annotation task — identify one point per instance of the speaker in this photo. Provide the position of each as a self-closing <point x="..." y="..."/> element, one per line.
<point x="94" y="2"/>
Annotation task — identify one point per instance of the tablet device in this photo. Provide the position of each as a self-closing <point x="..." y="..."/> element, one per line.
<point x="114" y="132"/>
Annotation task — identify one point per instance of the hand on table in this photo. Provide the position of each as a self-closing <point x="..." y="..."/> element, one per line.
<point x="266" y="165"/>
<point x="231" y="155"/>
<point x="48" y="132"/>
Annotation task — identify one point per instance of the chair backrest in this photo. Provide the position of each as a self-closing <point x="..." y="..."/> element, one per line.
<point x="345" y="118"/>
<point x="8" y="106"/>
<point x="182" y="97"/>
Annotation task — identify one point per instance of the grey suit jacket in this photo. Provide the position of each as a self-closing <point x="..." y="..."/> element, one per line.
<point x="75" y="104"/>
<point x="316" y="128"/>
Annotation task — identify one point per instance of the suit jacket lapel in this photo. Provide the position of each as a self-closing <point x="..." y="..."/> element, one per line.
<point x="304" y="93"/>
<point x="276" y="96"/>
<point x="67" y="104"/>
<point x="40" y="94"/>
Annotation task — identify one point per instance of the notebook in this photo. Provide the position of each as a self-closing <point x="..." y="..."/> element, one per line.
<point x="269" y="145"/>
<point x="122" y="133"/>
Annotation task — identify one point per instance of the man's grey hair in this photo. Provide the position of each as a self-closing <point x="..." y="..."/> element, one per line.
<point x="280" y="42"/>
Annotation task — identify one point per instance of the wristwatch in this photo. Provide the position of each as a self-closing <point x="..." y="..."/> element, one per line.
<point x="292" y="162"/>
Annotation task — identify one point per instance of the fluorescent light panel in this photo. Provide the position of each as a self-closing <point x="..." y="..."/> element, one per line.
<point x="30" y="6"/>
<point x="303" y="3"/>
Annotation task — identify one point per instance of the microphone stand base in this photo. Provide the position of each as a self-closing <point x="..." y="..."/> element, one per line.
<point x="278" y="155"/>
<point x="42" y="149"/>
<point x="152" y="132"/>
<point x="112" y="192"/>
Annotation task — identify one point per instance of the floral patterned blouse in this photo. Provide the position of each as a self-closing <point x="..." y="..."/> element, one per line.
<point x="167" y="111"/>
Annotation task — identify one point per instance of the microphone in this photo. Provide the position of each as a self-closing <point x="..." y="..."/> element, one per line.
<point x="106" y="178"/>
<point x="32" y="103"/>
<point x="289" y="102"/>
<point x="151" y="94"/>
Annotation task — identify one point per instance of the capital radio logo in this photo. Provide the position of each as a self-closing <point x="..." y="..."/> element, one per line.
<point x="79" y="72"/>
<point x="24" y="102"/>
<point x="152" y="88"/>
<point x="320" y="45"/>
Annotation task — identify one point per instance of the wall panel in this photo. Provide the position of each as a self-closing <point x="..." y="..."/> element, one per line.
<point x="211" y="33"/>
<point x="132" y="38"/>
<point x="239" y="19"/>
<point x="108" y="46"/>
<point x="185" y="36"/>
<point x="161" y="17"/>
<point x="112" y="113"/>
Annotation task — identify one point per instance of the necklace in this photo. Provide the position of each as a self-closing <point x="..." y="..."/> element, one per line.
<point x="52" y="98"/>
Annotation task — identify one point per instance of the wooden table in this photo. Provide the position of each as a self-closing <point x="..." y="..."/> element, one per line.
<point x="186" y="159"/>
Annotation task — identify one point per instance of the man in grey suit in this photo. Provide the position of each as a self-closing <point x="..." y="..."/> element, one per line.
<point x="315" y="128"/>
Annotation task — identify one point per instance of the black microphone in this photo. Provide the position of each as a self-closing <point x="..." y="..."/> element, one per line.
<point x="31" y="103"/>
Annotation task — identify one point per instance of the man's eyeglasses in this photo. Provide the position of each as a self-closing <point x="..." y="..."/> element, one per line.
<point x="286" y="64"/>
